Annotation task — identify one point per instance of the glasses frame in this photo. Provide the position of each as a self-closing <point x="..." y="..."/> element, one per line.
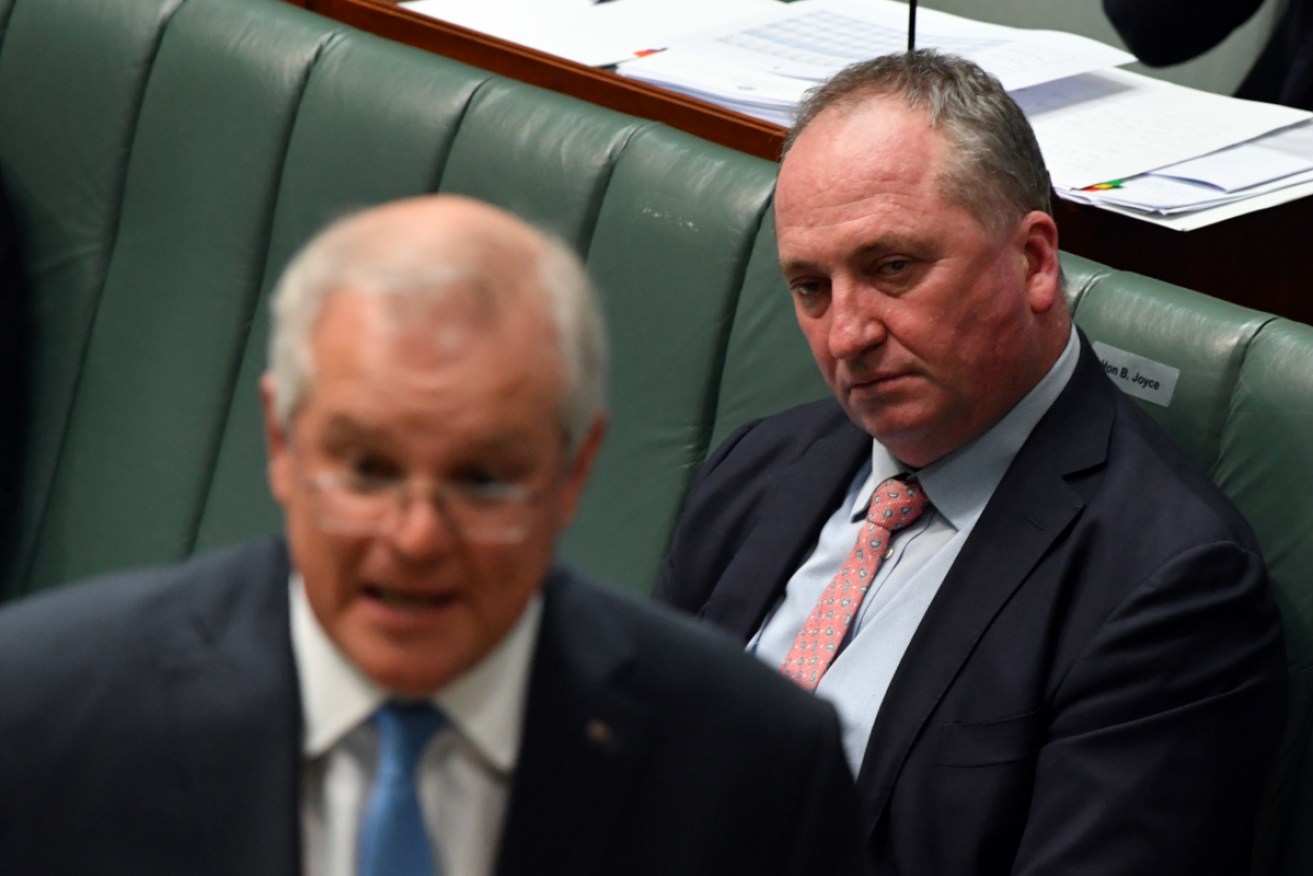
<point x="397" y="494"/>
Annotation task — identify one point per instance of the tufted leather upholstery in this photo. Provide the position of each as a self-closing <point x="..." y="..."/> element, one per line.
<point x="163" y="159"/>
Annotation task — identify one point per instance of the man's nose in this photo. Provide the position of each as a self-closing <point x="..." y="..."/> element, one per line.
<point x="856" y="323"/>
<point x="422" y="529"/>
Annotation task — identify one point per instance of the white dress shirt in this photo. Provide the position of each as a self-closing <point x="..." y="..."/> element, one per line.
<point x="958" y="486"/>
<point x="465" y="771"/>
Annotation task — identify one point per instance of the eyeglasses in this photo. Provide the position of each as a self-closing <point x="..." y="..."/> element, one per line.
<point x="484" y="512"/>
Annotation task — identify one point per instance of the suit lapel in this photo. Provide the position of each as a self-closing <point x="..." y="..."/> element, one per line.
<point x="1032" y="507"/>
<point x="790" y="519"/>
<point x="585" y="737"/>
<point x="230" y="691"/>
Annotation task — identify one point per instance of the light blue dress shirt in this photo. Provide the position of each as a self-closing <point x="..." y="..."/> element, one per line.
<point x="959" y="486"/>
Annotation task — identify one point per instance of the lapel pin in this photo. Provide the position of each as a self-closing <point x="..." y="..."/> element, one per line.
<point x="600" y="735"/>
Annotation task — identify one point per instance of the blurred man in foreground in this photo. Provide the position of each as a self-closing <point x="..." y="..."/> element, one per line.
<point x="1049" y="638"/>
<point x="408" y="684"/>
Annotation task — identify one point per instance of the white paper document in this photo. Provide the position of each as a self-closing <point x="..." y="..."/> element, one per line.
<point x="1263" y="172"/>
<point x="1237" y="168"/>
<point x="762" y="95"/>
<point x="814" y="39"/>
<point x="763" y="65"/>
<point x="596" y="34"/>
<point x="1266" y="159"/>
<point x="1165" y="195"/>
<point x="1199" y="218"/>
<point x="1115" y="124"/>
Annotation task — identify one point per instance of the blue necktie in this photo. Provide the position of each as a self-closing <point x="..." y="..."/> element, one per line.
<point x="393" y="841"/>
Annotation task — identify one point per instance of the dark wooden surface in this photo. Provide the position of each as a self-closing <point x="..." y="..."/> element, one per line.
<point x="1261" y="259"/>
<point x="1257" y="260"/>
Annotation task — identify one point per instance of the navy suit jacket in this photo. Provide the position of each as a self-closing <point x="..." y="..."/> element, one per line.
<point x="150" y="724"/>
<point x="1098" y="686"/>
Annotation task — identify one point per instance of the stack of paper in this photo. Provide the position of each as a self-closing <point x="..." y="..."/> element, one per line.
<point x="592" y="32"/>
<point x="1111" y="138"/>
<point x="769" y="60"/>
<point x="1120" y="147"/>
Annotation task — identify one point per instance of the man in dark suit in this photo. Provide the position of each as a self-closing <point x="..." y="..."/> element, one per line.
<point x="1067" y="659"/>
<point x="407" y="684"/>
<point x="1162" y="33"/>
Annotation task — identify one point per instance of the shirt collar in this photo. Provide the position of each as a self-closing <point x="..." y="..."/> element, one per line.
<point x="960" y="483"/>
<point x="485" y="705"/>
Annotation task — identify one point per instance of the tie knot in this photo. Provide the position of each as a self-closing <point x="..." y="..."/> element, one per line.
<point x="403" y="731"/>
<point x="896" y="504"/>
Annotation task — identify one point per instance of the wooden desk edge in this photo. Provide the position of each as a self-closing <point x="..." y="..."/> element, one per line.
<point x="717" y="124"/>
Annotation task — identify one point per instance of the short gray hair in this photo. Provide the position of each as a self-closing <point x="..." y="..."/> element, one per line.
<point x="994" y="166"/>
<point x="345" y="256"/>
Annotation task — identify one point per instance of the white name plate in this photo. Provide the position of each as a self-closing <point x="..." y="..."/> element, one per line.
<point x="1138" y="376"/>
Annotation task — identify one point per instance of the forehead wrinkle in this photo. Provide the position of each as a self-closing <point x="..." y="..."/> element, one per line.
<point x="882" y="245"/>
<point x="342" y="427"/>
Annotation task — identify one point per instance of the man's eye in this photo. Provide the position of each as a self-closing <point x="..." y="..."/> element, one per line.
<point x="806" y="288"/>
<point x="373" y="471"/>
<point x="481" y="478"/>
<point x="894" y="266"/>
<point x="485" y="490"/>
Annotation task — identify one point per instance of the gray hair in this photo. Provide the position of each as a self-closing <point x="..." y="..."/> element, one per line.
<point x="994" y="168"/>
<point x="346" y="256"/>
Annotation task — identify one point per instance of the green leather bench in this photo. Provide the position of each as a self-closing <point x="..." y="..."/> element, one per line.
<point x="163" y="159"/>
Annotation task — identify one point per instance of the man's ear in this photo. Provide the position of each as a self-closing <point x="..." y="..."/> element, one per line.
<point x="1039" y="243"/>
<point x="576" y="477"/>
<point x="278" y="450"/>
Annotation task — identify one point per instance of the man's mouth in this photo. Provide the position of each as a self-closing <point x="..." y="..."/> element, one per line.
<point x="870" y="382"/>
<point x="404" y="600"/>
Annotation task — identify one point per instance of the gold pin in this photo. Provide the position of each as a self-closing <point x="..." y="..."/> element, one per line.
<point x="599" y="733"/>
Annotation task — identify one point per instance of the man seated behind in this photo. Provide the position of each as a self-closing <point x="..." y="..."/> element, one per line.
<point x="1051" y="642"/>
<point x="407" y="684"/>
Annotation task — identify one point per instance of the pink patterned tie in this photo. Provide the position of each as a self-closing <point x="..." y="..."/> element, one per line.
<point x="894" y="504"/>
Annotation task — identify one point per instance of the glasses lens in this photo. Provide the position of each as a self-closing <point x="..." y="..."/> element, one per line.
<point x="487" y="513"/>
<point x="350" y="504"/>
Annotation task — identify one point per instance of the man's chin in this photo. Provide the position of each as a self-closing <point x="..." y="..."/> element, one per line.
<point x="900" y="431"/>
<point x="880" y="421"/>
<point x="413" y="661"/>
<point x="409" y="674"/>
